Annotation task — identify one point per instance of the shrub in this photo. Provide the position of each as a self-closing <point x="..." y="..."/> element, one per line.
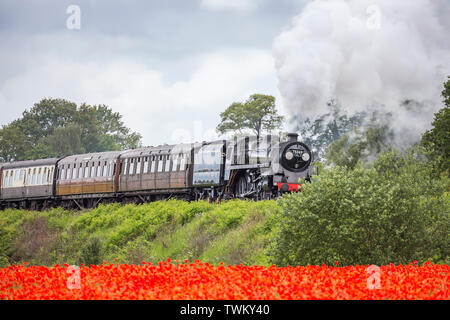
<point x="91" y="252"/>
<point x="393" y="211"/>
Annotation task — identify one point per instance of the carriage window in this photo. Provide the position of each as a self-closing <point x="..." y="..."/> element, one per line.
<point x="131" y="171"/>
<point x="138" y="166"/>
<point x="11" y="178"/>
<point x="105" y="169"/>
<point x="16" y="175"/>
<point x="22" y="174"/>
<point x="86" y="170"/>
<point x="145" y="165"/>
<point x="44" y="176"/>
<point x="99" y="170"/>
<point x="63" y="171"/>
<point x="33" y="177"/>
<point x="124" y="167"/>
<point x="160" y="164"/>
<point x="174" y="162"/>
<point x="167" y="163"/>
<point x="182" y="162"/>
<point x="28" y="176"/>
<point x="80" y="171"/>
<point x="5" y="182"/>
<point x="93" y="170"/>
<point x="74" y="171"/>
<point x="111" y="172"/>
<point x="152" y="169"/>
<point x="39" y="176"/>
<point x="68" y="172"/>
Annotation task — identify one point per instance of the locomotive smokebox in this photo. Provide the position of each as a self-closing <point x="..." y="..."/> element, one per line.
<point x="292" y="137"/>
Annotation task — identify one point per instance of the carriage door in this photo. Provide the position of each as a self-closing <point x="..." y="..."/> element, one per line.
<point x="208" y="162"/>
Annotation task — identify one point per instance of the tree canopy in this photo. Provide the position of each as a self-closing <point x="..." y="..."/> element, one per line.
<point x="57" y="127"/>
<point x="437" y="139"/>
<point x="258" y="113"/>
<point x="363" y="143"/>
<point x="319" y="132"/>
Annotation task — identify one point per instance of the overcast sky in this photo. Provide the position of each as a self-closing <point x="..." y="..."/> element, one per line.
<point x="168" y="66"/>
<point x="171" y="66"/>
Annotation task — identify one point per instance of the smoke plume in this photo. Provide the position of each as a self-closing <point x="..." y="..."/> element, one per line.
<point x="367" y="53"/>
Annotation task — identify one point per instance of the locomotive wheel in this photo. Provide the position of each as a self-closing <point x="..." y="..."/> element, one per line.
<point x="242" y="186"/>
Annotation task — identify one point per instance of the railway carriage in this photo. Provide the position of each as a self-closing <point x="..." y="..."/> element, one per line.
<point x="86" y="178"/>
<point x="28" y="183"/>
<point x="163" y="169"/>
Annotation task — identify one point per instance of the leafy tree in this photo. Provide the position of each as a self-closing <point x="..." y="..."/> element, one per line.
<point x="437" y="140"/>
<point x="321" y="131"/>
<point x="44" y="117"/>
<point x="363" y="143"/>
<point x="57" y="127"/>
<point x="393" y="211"/>
<point x="12" y="143"/>
<point x="63" y="141"/>
<point x="258" y="113"/>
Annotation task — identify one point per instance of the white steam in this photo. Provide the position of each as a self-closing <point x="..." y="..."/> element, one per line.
<point x="364" y="53"/>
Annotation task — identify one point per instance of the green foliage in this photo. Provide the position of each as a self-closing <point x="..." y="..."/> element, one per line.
<point x="258" y="113"/>
<point x="231" y="232"/>
<point x="437" y="140"/>
<point x="391" y="211"/>
<point x="363" y="143"/>
<point x="319" y="132"/>
<point x="12" y="143"/>
<point x="446" y="93"/>
<point x="91" y="252"/>
<point x="57" y="127"/>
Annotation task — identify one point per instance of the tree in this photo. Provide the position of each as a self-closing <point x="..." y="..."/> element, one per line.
<point x="321" y="131"/>
<point x="363" y="143"/>
<point x="64" y="141"/>
<point x="12" y="143"/>
<point x="258" y="113"/>
<point x="437" y="140"/>
<point x="57" y="127"/>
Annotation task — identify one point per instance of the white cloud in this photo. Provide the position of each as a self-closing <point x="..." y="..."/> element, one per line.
<point x="239" y="5"/>
<point x="162" y="112"/>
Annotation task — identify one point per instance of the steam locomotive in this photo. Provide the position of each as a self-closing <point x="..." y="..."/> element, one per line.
<point x="244" y="167"/>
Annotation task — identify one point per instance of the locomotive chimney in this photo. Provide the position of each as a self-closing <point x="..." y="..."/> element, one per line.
<point x="292" y="136"/>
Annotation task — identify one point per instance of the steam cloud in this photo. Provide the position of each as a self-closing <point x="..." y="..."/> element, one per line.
<point x="367" y="53"/>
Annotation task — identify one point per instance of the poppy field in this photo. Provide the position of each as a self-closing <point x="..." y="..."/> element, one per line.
<point x="202" y="281"/>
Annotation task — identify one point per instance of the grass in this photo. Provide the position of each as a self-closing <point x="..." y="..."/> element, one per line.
<point x="231" y="232"/>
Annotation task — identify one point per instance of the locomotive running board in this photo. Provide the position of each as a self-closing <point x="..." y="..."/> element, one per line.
<point x="248" y="166"/>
